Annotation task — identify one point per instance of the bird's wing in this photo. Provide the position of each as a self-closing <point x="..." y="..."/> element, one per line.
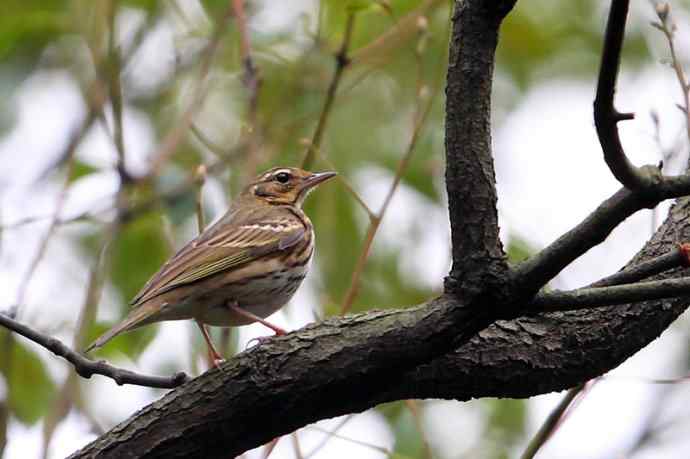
<point x="238" y="238"/>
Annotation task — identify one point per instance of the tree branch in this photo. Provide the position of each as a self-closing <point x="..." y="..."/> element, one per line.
<point x="86" y="367"/>
<point x="606" y="116"/>
<point x="595" y="297"/>
<point x="478" y="255"/>
<point x="532" y="274"/>
<point x="680" y="256"/>
<point x="342" y="62"/>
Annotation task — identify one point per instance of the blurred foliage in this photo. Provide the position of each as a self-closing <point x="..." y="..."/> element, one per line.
<point x="30" y="387"/>
<point x="518" y="249"/>
<point x="370" y="126"/>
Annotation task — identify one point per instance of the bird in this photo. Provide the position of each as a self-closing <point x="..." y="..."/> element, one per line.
<point x="239" y="270"/>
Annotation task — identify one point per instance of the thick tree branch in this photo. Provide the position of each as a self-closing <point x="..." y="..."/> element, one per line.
<point x="86" y="367"/>
<point x="470" y="180"/>
<point x="288" y="382"/>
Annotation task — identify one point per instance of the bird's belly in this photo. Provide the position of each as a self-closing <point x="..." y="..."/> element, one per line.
<point x="262" y="296"/>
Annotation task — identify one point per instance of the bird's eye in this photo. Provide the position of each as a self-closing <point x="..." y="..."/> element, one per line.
<point x="283" y="177"/>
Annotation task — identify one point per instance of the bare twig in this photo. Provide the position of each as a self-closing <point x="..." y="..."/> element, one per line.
<point x="667" y="27"/>
<point x="333" y="434"/>
<point x="551" y="424"/>
<point x="593" y="297"/>
<point x="200" y="180"/>
<point x="350" y="189"/>
<point x="342" y="61"/>
<point x="606" y="116"/>
<point x="675" y="258"/>
<point x="114" y="69"/>
<point x="43" y="246"/>
<point x="296" y="447"/>
<point x="414" y="410"/>
<point x="325" y="441"/>
<point x="398" y="35"/>
<point x="252" y="81"/>
<point x="86" y="367"/>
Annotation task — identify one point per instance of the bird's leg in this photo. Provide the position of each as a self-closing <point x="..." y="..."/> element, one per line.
<point x="216" y="358"/>
<point x="243" y="312"/>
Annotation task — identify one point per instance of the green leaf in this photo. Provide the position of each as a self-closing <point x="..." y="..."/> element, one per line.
<point x="408" y="441"/>
<point x="147" y="5"/>
<point x="519" y="249"/>
<point x="139" y="251"/>
<point x="28" y="25"/>
<point x="79" y="170"/>
<point x="30" y="386"/>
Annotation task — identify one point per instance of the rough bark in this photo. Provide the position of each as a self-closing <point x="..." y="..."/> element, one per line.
<point x="478" y="256"/>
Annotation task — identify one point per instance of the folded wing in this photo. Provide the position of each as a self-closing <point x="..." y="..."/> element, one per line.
<point x="238" y="238"/>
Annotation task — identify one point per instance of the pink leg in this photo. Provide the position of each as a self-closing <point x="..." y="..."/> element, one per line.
<point x="213" y="354"/>
<point x="254" y="317"/>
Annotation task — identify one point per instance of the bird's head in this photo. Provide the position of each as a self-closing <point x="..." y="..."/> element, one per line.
<point x="285" y="185"/>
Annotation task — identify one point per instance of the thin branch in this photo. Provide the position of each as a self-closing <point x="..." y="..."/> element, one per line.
<point x="87" y="367"/>
<point x="350" y="189"/>
<point x="551" y="423"/>
<point x="404" y="29"/>
<point x="201" y="173"/>
<point x="594" y="297"/>
<point x="43" y="246"/>
<point x="296" y="448"/>
<point x="606" y="116"/>
<point x="114" y="69"/>
<point x="675" y="258"/>
<point x="342" y="61"/>
<point x="333" y="434"/>
<point x="330" y="433"/>
<point x="414" y="410"/>
<point x="252" y="81"/>
<point x="668" y="28"/>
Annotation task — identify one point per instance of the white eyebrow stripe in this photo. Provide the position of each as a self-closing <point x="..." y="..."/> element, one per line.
<point x="280" y="171"/>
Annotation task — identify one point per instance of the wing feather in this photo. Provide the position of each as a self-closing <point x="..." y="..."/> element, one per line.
<point x="236" y="239"/>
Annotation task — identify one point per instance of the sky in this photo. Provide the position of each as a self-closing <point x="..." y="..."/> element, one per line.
<point x="550" y="174"/>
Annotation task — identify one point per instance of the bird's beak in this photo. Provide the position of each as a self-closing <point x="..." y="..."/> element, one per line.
<point x="315" y="179"/>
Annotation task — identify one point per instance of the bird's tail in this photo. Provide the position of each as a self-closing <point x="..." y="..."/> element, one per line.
<point x="135" y="319"/>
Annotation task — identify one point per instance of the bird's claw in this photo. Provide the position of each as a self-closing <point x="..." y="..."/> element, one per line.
<point x="259" y="341"/>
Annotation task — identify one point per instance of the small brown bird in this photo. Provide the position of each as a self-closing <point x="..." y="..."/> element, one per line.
<point x="241" y="269"/>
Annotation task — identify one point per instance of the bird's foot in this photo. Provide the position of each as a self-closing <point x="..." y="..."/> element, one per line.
<point x="259" y="341"/>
